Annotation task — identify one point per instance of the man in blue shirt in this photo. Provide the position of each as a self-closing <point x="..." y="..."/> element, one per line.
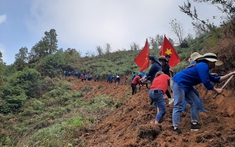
<point x="182" y="87"/>
<point x="192" y="61"/>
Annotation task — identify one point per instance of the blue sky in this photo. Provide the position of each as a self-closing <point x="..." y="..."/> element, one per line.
<point x="86" y="24"/>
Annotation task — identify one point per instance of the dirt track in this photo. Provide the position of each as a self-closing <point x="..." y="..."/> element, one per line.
<point x="129" y="125"/>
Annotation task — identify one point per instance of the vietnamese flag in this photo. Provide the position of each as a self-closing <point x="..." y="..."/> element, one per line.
<point x="168" y="49"/>
<point x="142" y="59"/>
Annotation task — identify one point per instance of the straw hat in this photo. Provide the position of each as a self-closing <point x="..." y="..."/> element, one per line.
<point x="195" y="56"/>
<point x="162" y="58"/>
<point x="211" y="57"/>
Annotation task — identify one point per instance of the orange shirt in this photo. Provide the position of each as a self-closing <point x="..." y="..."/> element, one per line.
<point x="160" y="82"/>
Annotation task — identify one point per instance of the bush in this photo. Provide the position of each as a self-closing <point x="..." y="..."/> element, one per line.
<point x="12" y="98"/>
<point x="28" y="79"/>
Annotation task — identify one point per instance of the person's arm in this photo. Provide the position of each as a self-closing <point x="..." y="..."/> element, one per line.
<point x="203" y="72"/>
<point x="225" y="77"/>
<point x="218" y="90"/>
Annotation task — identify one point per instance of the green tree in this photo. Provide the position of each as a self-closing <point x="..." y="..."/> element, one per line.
<point x="51" y="65"/>
<point x="2" y="66"/>
<point x="99" y="50"/>
<point x="12" y="98"/>
<point x="46" y="46"/>
<point x="51" y="41"/>
<point x="108" y="48"/>
<point x="21" y="58"/>
<point x="134" y="47"/>
<point x="28" y="79"/>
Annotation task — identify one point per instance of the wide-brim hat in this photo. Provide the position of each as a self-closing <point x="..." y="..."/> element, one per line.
<point x="195" y="56"/>
<point x="211" y="57"/>
<point x="162" y="58"/>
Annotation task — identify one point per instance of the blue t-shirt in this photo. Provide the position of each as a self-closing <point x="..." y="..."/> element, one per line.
<point x="197" y="74"/>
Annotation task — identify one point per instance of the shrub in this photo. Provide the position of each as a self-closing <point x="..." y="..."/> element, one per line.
<point x="13" y="98"/>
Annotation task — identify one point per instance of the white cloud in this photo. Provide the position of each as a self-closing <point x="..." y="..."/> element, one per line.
<point x="86" y="24"/>
<point x="3" y="18"/>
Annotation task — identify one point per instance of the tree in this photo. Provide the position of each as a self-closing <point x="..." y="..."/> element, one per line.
<point x="21" y="58"/>
<point x="2" y="65"/>
<point x="134" y="47"/>
<point x="51" y="41"/>
<point x="156" y="41"/>
<point x="46" y="46"/>
<point x="225" y="6"/>
<point x="52" y="65"/>
<point x="99" y="50"/>
<point x="108" y="48"/>
<point x="153" y="43"/>
<point x="171" y="41"/>
<point x="177" y="29"/>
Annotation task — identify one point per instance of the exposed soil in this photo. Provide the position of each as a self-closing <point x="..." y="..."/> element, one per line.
<point x="129" y="125"/>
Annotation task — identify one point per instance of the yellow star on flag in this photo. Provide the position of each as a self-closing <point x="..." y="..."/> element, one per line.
<point x="147" y="56"/>
<point x="168" y="51"/>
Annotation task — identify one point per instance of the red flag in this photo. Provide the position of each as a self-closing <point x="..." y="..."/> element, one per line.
<point x="168" y="49"/>
<point x="142" y="59"/>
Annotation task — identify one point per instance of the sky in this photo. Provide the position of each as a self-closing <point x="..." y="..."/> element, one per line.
<point x="86" y="24"/>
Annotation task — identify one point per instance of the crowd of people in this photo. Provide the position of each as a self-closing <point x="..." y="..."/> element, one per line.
<point x="178" y="88"/>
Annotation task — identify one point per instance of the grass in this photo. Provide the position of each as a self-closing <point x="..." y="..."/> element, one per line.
<point x="54" y="119"/>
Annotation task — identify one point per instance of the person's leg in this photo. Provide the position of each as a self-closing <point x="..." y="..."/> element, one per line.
<point x="161" y="105"/>
<point x="135" y="88"/>
<point x="201" y="106"/>
<point x="146" y="85"/>
<point x="194" y="102"/>
<point x="132" y="87"/>
<point x="184" y="107"/>
<point x="179" y="97"/>
<point x="168" y="94"/>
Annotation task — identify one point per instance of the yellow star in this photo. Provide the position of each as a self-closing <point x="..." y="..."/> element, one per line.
<point x="168" y="51"/>
<point x="147" y="56"/>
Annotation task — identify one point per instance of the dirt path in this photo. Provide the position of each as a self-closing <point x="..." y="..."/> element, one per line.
<point x="129" y="125"/>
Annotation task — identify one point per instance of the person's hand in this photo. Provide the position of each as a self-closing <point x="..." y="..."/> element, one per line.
<point x="233" y="73"/>
<point x="218" y="90"/>
<point x="214" y="74"/>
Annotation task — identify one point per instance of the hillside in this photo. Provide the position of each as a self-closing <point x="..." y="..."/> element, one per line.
<point x="42" y="107"/>
<point x="129" y="124"/>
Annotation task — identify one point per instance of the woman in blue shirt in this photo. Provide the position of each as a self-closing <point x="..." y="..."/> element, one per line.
<point x="182" y="87"/>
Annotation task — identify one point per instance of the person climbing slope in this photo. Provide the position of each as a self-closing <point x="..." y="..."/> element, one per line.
<point x="134" y="82"/>
<point x="182" y="87"/>
<point x="159" y="86"/>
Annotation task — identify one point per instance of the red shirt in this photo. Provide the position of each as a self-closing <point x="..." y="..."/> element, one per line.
<point x="136" y="80"/>
<point x="126" y="77"/>
<point x="160" y="82"/>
